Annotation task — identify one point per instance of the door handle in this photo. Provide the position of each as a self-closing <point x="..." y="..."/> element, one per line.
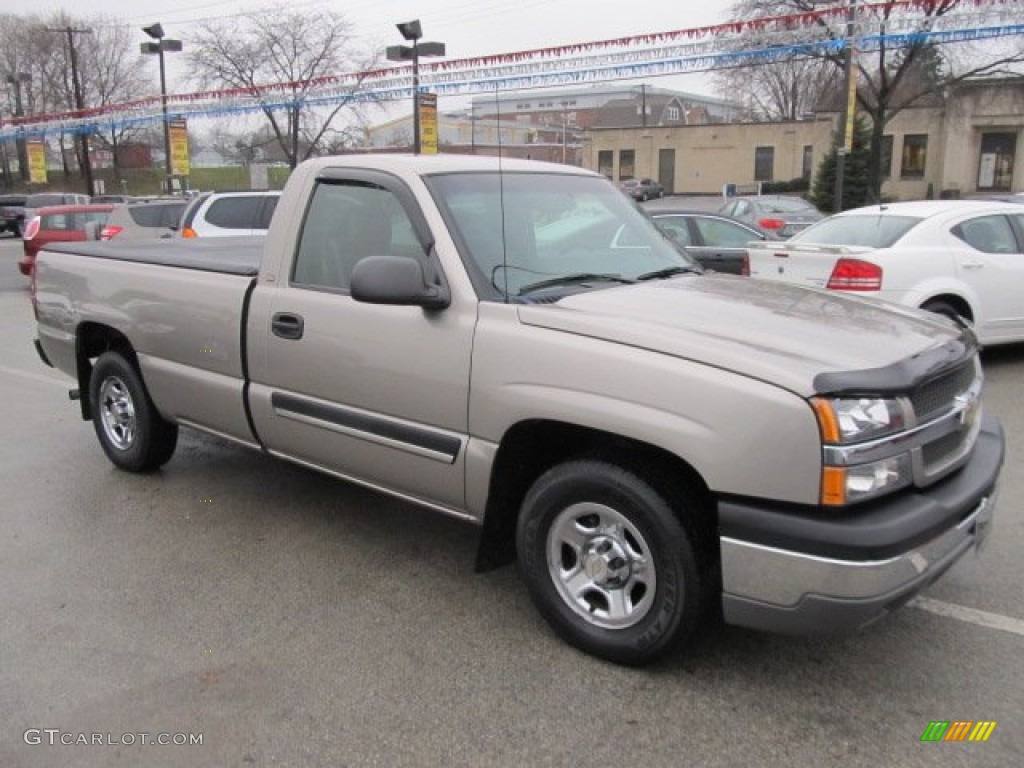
<point x="972" y="264"/>
<point x="287" y="325"/>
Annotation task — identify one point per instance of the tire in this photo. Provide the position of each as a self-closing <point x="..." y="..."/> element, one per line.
<point x="609" y="564"/>
<point x="133" y="434"/>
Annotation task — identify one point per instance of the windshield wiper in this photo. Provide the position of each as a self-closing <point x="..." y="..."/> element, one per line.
<point x="574" y="279"/>
<point x="669" y="272"/>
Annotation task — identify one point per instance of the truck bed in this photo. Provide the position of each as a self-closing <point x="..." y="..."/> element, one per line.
<point x="229" y="255"/>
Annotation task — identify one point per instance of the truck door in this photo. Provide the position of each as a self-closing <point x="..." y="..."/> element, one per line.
<point x="378" y="394"/>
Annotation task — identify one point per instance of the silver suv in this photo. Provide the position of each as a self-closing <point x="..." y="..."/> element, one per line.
<point x="222" y="214"/>
<point x="145" y="220"/>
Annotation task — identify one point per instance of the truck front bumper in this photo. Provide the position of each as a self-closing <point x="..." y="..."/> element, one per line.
<point x="825" y="572"/>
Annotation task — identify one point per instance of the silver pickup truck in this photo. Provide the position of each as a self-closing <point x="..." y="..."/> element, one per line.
<point x="657" y="447"/>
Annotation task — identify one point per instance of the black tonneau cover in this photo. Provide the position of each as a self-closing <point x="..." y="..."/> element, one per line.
<point x="238" y="255"/>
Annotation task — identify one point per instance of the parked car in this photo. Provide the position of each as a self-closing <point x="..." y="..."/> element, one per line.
<point x="222" y="214"/>
<point x="33" y="203"/>
<point x="960" y="258"/>
<point x="145" y="220"/>
<point x="642" y="189"/>
<point x="717" y="241"/>
<point x="12" y="213"/>
<point x="61" y="224"/>
<point x="778" y="216"/>
<point x="115" y="198"/>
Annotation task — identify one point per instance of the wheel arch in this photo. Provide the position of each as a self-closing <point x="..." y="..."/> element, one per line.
<point x="955" y="300"/>
<point x="91" y="341"/>
<point x="531" y="447"/>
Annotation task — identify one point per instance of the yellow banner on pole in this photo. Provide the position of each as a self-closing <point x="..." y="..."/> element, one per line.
<point x="36" y="151"/>
<point x="428" y="123"/>
<point x="178" y="130"/>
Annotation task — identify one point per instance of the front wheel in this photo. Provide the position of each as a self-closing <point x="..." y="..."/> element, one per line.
<point x="608" y="563"/>
<point x="133" y="434"/>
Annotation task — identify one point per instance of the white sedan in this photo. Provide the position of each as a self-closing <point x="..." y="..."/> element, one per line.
<point x="960" y="258"/>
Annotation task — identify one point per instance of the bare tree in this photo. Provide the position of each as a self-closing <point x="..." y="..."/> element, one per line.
<point x="890" y="78"/>
<point x="783" y="91"/>
<point x="109" y="72"/>
<point x="291" y="48"/>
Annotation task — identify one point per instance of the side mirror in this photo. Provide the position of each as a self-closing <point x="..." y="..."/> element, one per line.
<point x="396" y="280"/>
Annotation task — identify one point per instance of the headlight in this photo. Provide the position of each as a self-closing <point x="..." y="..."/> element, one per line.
<point x="846" y="485"/>
<point x="856" y="419"/>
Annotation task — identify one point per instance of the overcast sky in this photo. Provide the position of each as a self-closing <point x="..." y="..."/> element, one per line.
<point x="467" y="27"/>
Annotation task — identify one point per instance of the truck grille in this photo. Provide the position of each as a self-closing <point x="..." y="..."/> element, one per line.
<point x="953" y="394"/>
<point x="937" y="396"/>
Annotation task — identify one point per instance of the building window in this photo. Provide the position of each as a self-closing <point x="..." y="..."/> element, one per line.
<point x="807" y="168"/>
<point x="605" y="159"/>
<point x="915" y="149"/>
<point x="627" y="163"/>
<point x="885" y="160"/>
<point x="672" y="114"/>
<point x="995" y="167"/>
<point x="764" y="163"/>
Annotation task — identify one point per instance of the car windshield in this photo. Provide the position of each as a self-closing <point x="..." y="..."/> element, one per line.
<point x="157" y="214"/>
<point x="42" y="201"/>
<point x="873" y="231"/>
<point x="522" y="233"/>
<point x="787" y="205"/>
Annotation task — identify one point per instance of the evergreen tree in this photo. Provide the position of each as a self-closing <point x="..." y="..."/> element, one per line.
<point x="857" y="183"/>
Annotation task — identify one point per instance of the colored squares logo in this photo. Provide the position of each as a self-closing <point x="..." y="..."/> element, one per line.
<point x="958" y="730"/>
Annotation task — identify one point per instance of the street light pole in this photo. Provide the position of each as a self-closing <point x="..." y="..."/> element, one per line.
<point x="412" y="31"/>
<point x="156" y="31"/>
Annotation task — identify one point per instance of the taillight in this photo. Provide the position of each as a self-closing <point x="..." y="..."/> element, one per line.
<point x="189" y="232"/>
<point x="110" y="231"/>
<point x="772" y="224"/>
<point x="855" y="275"/>
<point x="32" y="229"/>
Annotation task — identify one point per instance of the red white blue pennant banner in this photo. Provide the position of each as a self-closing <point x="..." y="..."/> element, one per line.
<point x="894" y="24"/>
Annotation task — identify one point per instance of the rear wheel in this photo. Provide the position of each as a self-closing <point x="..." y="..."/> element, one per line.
<point x="133" y="434"/>
<point x="608" y="563"/>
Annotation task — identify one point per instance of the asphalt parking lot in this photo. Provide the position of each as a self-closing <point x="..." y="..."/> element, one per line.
<point x="289" y="619"/>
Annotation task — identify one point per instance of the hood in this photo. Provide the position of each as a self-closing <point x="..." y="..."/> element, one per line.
<point x="781" y="333"/>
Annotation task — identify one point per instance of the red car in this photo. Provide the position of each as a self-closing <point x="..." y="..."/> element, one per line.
<point x="61" y="224"/>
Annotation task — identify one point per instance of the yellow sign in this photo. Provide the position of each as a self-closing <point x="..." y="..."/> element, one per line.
<point x="36" y="161"/>
<point x="428" y="123"/>
<point x="178" y="130"/>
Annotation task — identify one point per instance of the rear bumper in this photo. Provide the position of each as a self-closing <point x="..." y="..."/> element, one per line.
<point x="803" y="575"/>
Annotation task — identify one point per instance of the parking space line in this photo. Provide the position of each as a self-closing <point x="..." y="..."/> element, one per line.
<point x="970" y="615"/>
<point x="65" y="383"/>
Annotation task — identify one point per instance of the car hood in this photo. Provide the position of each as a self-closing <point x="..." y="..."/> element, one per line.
<point x="780" y="333"/>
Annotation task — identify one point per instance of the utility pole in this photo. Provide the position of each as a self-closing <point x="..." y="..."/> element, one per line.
<point x="849" y="111"/>
<point x="17" y="79"/>
<point x="83" y="138"/>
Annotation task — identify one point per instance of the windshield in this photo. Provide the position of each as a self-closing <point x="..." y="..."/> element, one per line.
<point x="874" y="231"/>
<point x="787" y="205"/>
<point x="524" y="233"/>
<point x="42" y="201"/>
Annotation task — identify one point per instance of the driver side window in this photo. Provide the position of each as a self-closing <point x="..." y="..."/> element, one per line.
<point x="345" y="223"/>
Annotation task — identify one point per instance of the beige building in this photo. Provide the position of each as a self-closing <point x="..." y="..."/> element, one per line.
<point x="964" y="146"/>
